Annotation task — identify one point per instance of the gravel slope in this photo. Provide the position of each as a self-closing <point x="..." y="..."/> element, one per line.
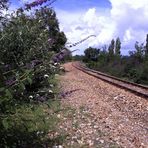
<point x="103" y="115"/>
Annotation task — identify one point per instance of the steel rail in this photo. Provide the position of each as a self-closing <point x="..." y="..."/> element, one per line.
<point x="138" y="89"/>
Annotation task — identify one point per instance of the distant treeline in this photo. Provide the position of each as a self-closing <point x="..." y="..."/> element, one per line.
<point x="133" y="67"/>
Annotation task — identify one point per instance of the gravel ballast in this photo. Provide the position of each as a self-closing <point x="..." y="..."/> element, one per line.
<point x="100" y="114"/>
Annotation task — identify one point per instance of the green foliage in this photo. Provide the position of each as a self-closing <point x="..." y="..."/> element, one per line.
<point x="26" y="37"/>
<point x="139" y="54"/>
<point x="146" y="47"/>
<point x="111" y="48"/>
<point x="27" y="41"/>
<point x="77" y="57"/>
<point x="27" y="126"/>
<point x="117" y="47"/>
<point x="91" y="53"/>
<point x="3" y="6"/>
<point x="133" y="67"/>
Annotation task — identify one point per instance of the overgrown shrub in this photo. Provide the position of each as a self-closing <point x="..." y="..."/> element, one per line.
<point x="27" y="42"/>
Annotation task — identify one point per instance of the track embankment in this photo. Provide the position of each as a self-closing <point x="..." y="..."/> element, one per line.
<point x="138" y="89"/>
<point x="104" y="115"/>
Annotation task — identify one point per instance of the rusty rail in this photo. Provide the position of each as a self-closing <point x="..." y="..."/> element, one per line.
<point x="138" y="89"/>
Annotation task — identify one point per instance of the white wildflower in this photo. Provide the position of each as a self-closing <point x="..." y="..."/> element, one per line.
<point x="59" y="116"/>
<point x="56" y="75"/>
<point x="102" y="141"/>
<point x="51" y="85"/>
<point x="42" y="132"/>
<point x="61" y="68"/>
<point x="20" y="33"/>
<point x="59" y="146"/>
<point x="50" y="91"/>
<point x="46" y="76"/>
<point x="55" y="64"/>
<point x="42" y="91"/>
<point x="37" y="95"/>
<point x="41" y="66"/>
<point x="40" y="21"/>
<point x="30" y="97"/>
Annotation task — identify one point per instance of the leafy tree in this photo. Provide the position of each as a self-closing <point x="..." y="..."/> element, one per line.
<point x="29" y="37"/>
<point x="3" y="5"/>
<point x="146" y="47"/>
<point x="111" y="48"/>
<point x="139" y="52"/>
<point x="117" y="47"/>
<point x="91" y="53"/>
<point x="103" y="57"/>
<point x="48" y="20"/>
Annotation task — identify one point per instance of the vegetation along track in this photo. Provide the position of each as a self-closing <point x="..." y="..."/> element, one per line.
<point x="137" y="89"/>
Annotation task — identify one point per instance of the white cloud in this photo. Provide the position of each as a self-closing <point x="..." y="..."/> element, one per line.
<point x="126" y="19"/>
<point x="26" y="1"/>
<point x="130" y="17"/>
<point x="90" y="17"/>
<point x="128" y="35"/>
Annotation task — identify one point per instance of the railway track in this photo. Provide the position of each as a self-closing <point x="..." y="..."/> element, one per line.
<point x="138" y="89"/>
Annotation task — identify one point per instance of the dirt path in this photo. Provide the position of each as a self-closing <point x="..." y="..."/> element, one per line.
<point x="98" y="114"/>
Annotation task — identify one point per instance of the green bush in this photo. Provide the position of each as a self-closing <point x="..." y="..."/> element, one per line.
<point x="27" y="41"/>
<point x="133" y="67"/>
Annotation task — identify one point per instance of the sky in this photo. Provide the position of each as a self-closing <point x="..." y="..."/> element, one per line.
<point x="107" y="19"/>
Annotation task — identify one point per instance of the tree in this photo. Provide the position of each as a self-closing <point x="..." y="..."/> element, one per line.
<point x="146" y="47"/>
<point x="28" y="37"/>
<point x="139" y="51"/>
<point x="111" y="49"/>
<point x="3" y="6"/>
<point x="117" y="47"/>
<point x="103" y="57"/>
<point x="91" y="53"/>
<point x="49" y="20"/>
